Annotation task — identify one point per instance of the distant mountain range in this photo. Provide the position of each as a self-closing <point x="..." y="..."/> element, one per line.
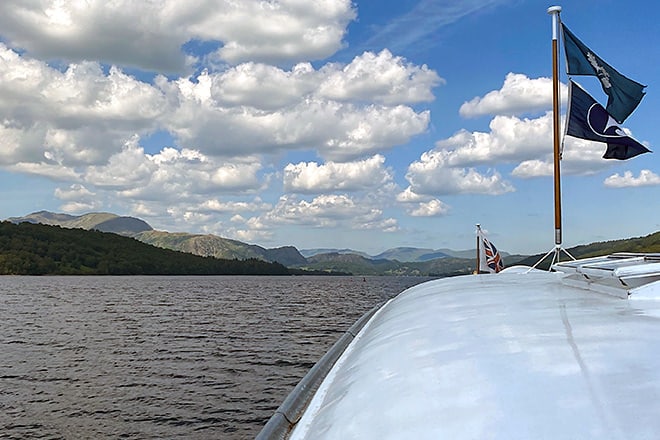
<point x="311" y="252"/>
<point x="402" y="254"/>
<point x="208" y="245"/>
<point x="198" y="244"/>
<point x="397" y="261"/>
<point x="213" y="245"/>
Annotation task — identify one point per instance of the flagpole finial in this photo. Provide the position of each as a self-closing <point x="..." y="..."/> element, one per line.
<point x="554" y="10"/>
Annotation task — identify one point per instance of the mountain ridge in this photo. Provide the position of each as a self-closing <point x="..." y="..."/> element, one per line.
<point x="209" y="245"/>
<point x="344" y="261"/>
<point x="100" y="221"/>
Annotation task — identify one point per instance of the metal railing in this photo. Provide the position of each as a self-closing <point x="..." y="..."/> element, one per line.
<point x="284" y="419"/>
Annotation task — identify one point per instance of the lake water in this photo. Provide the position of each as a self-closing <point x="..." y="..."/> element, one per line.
<point x="166" y="357"/>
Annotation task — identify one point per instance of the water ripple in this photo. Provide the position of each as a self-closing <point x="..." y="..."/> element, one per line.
<point x="165" y="357"/>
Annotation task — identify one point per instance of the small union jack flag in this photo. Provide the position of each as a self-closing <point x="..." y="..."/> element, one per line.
<point x="488" y="257"/>
<point x="493" y="257"/>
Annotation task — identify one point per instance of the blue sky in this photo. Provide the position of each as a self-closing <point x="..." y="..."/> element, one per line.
<point x="325" y="124"/>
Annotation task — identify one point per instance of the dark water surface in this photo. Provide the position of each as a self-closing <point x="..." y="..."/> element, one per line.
<point x="166" y="357"/>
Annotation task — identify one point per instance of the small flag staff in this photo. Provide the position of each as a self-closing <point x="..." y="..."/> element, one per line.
<point x="476" y="270"/>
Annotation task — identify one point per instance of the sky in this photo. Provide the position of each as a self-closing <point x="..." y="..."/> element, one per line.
<point x="322" y="124"/>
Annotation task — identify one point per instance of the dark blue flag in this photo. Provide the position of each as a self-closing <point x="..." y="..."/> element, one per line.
<point x="623" y="93"/>
<point x="589" y="120"/>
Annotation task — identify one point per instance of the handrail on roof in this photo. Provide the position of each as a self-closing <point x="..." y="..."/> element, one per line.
<point x="617" y="274"/>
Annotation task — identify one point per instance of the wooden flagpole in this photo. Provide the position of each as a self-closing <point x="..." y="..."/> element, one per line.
<point x="556" y="252"/>
<point x="554" y="12"/>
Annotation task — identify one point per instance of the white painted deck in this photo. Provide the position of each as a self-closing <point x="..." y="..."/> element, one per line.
<point x="506" y="356"/>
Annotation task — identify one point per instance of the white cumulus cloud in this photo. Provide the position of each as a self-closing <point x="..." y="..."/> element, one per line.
<point x="83" y="115"/>
<point x="339" y="131"/>
<point x="310" y="177"/>
<point x="150" y="35"/>
<point x="77" y="116"/>
<point x="274" y="31"/>
<point x="519" y="94"/>
<point x="433" y="174"/>
<point x="263" y="86"/>
<point x="127" y="169"/>
<point x="432" y="208"/>
<point x="579" y="157"/>
<point x="215" y="205"/>
<point x="510" y="139"/>
<point x="645" y="178"/>
<point x="408" y="196"/>
<point x="327" y="210"/>
<point x="77" y="198"/>
<point x="382" y="78"/>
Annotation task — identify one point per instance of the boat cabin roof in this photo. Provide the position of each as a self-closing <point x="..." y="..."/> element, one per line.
<point x="519" y="354"/>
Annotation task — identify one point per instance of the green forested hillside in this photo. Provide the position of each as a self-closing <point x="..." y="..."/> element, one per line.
<point x="351" y="263"/>
<point x="649" y="243"/>
<point x="36" y="249"/>
<point x="359" y="265"/>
